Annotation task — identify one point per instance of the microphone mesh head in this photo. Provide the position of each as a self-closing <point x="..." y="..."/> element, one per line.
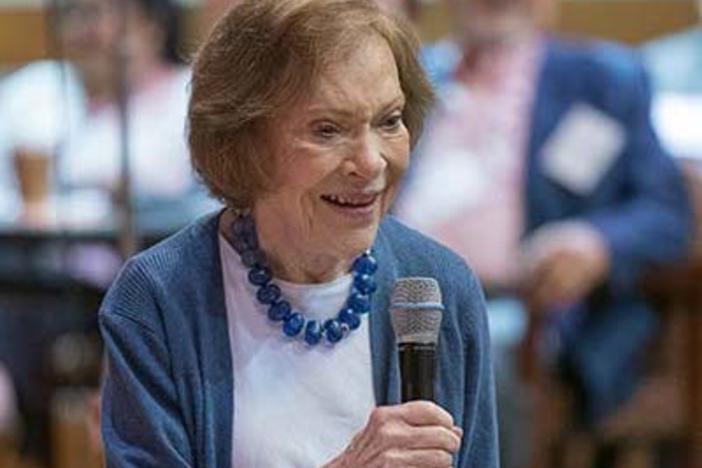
<point x="416" y="310"/>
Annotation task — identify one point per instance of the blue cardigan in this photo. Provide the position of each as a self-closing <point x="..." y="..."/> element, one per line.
<point x="168" y="393"/>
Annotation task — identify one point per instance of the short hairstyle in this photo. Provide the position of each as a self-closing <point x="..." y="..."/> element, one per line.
<point x="264" y="54"/>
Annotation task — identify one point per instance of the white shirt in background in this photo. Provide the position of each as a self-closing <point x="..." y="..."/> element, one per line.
<point x="43" y="108"/>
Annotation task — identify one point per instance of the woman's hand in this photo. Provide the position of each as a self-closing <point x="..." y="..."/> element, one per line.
<point x="414" y="434"/>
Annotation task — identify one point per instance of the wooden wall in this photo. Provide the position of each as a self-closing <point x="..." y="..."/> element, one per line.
<point x="23" y="31"/>
<point x="23" y="35"/>
<point x="630" y="21"/>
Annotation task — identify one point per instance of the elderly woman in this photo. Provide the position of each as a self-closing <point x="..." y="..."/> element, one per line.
<point x="260" y="335"/>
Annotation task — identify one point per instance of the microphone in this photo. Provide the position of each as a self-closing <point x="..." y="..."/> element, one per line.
<point x="416" y="311"/>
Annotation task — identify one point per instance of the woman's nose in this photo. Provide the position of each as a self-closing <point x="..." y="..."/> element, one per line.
<point x="368" y="159"/>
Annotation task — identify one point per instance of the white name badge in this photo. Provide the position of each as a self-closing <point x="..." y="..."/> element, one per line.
<point x="582" y="149"/>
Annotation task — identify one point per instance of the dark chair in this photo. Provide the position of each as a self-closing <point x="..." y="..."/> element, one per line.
<point x="661" y="425"/>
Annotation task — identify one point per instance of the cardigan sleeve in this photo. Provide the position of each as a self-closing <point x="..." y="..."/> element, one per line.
<point x="480" y="442"/>
<point x="142" y="425"/>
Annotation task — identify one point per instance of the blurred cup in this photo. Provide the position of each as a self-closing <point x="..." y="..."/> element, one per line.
<point x="33" y="170"/>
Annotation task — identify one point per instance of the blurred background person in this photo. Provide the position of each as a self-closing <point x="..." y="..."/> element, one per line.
<point x="540" y="166"/>
<point x="60" y="128"/>
<point x="69" y="108"/>
<point x="409" y="8"/>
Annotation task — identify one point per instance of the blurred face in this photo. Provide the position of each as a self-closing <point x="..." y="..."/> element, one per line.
<point x="487" y="21"/>
<point x="90" y="29"/>
<point x="340" y="152"/>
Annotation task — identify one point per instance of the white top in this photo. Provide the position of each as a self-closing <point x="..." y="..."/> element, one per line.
<point x="294" y="406"/>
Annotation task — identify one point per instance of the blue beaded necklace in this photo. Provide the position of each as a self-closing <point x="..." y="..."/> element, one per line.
<point x="294" y="323"/>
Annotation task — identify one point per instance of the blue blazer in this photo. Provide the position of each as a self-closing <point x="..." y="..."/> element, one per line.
<point x="639" y="205"/>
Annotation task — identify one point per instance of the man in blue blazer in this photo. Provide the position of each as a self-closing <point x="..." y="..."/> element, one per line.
<point x="541" y="167"/>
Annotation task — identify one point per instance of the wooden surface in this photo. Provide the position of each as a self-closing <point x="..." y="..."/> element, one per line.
<point x="684" y="285"/>
<point x="630" y="21"/>
<point x="666" y="407"/>
<point x="24" y="37"/>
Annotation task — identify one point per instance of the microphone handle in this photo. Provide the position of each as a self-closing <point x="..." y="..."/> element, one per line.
<point x="417" y="370"/>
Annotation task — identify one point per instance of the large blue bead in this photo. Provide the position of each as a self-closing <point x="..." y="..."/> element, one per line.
<point x="364" y="283"/>
<point x="365" y="264"/>
<point x="293" y="324"/>
<point x="258" y="276"/>
<point x="279" y="311"/>
<point x="360" y="303"/>
<point x="313" y="332"/>
<point x="333" y="331"/>
<point x="268" y="294"/>
<point x="350" y="318"/>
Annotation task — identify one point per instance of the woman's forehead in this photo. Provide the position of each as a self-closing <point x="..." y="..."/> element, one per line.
<point x="369" y="72"/>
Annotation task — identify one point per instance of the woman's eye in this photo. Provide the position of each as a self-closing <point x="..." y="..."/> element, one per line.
<point x="393" y="122"/>
<point x="326" y="130"/>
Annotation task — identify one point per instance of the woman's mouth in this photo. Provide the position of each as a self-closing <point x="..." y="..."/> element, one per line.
<point x="351" y="201"/>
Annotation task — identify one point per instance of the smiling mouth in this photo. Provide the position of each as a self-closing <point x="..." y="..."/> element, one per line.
<point x="351" y="200"/>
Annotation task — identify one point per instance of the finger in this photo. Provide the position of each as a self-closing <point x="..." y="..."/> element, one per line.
<point x="428" y="437"/>
<point x="423" y="413"/>
<point x="418" y="458"/>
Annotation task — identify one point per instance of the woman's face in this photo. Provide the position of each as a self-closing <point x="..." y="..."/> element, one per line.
<point x="91" y="29"/>
<point x="339" y="154"/>
<point x="489" y="21"/>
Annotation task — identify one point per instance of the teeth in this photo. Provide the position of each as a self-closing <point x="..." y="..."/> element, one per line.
<point x="346" y="200"/>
